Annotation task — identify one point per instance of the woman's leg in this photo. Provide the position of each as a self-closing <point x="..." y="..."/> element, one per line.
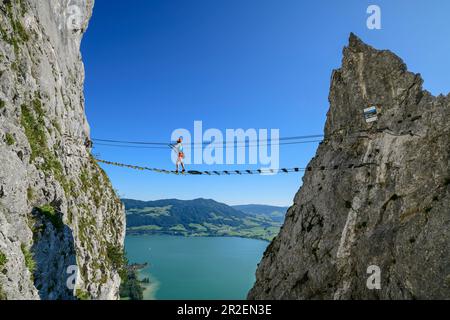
<point x="180" y="160"/>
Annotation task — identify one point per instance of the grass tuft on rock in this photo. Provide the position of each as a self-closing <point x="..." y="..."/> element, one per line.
<point x="34" y="130"/>
<point x="32" y="120"/>
<point x="29" y="259"/>
<point x="3" y="296"/>
<point x="50" y="213"/>
<point x="3" y="260"/>
<point x="9" y="139"/>
<point x="82" y="295"/>
<point x="19" y="34"/>
<point x="30" y="194"/>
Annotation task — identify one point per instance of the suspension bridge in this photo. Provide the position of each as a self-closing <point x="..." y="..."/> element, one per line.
<point x="293" y="140"/>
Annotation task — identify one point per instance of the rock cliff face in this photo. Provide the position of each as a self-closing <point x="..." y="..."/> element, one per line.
<point x="377" y="193"/>
<point x="57" y="207"/>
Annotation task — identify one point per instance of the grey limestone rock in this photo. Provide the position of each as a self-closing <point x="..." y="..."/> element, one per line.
<point x="57" y="207"/>
<point x="377" y="193"/>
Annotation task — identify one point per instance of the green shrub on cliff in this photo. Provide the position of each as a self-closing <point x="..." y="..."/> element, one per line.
<point x="82" y="295"/>
<point x="29" y="259"/>
<point x="116" y="257"/>
<point x="49" y="212"/>
<point x="131" y="287"/>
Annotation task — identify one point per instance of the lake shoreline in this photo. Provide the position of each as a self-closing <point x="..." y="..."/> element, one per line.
<point x="169" y="233"/>
<point x="195" y="268"/>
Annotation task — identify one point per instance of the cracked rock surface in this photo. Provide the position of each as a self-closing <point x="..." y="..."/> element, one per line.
<point x="57" y="207"/>
<point x="386" y="203"/>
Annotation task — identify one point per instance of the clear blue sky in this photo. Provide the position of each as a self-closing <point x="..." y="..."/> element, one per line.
<point x="156" y="65"/>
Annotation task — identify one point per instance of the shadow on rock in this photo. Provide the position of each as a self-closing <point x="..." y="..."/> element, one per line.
<point x="54" y="254"/>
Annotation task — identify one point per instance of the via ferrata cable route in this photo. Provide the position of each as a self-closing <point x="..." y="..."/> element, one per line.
<point x="205" y="172"/>
<point x="236" y="172"/>
<point x="176" y="148"/>
<point x="261" y="171"/>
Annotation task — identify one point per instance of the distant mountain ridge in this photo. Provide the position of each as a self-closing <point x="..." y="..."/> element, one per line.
<point x="275" y="212"/>
<point x="202" y="217"/>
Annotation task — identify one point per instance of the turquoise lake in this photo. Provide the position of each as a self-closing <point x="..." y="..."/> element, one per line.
<point x="196" y="267"/>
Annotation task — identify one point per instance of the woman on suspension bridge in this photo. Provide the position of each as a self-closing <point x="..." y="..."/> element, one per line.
<point x="178" y="148"/>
